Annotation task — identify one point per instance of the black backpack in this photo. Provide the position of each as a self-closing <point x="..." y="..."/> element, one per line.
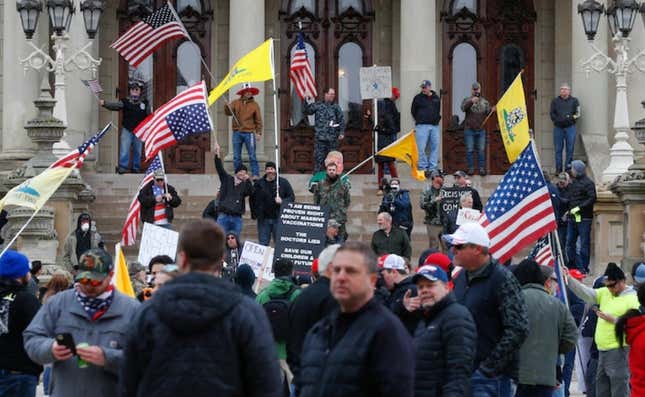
<point x="277" y="309"/>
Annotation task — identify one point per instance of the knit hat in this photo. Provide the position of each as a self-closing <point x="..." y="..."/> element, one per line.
<point x="270" y="164"/>
<point x="578" y="166"/>
<point x="13" y="264"/>
<point x="241" y="167"/>
<point x="613" y="272"/>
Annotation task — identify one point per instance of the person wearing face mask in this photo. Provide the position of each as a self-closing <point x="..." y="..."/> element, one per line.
<point x="397" y="203"/>
<point x="265" y="202"/>
<point x="135" y="108"/>
<point x="78" y="241"/>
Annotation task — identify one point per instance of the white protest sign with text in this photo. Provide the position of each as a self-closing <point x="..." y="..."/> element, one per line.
<point x="156" y="240"/>
<point x="376" y="82"/>
<point x="467" y="215"/>
<point x="260" y="258"/>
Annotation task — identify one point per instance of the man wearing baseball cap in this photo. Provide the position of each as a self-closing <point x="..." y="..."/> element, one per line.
<point x="493" y="296"/>
<point x="18" y="374"/>
<point x="426" y="111"/>
<point x="447" y="330"/>
<point x="395" y="277"/>
<point x="95" y="316"/>
<point x="430" y="202"/>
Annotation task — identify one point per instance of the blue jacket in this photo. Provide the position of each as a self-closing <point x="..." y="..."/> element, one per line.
<point x="399" y="206"/>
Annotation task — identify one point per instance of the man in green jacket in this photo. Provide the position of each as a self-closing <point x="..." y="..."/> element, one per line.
<point x="390" y="240"/>
<point x="613" y="300"/>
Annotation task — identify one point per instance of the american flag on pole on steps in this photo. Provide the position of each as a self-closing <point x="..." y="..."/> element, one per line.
<point x="542" y="252"/>
<point x="520" y="210"/>
<point x="300" y="71"/>
<point x="75" y="158"/>
<point x="129" y="231"/>
<point x="143" y="38"/>
<point x="184" y="115"/>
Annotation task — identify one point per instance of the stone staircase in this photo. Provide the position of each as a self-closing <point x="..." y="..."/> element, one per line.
<point x="114" y="193"/>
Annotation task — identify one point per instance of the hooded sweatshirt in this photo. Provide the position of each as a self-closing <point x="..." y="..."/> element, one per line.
<point x="636" y="340"/>
<point x="201" y="336"/>
<point x="78" y="241"/>
<point x="244" y="278"/>
<point x="276" y="288"/>
<point x="582" y="191"/>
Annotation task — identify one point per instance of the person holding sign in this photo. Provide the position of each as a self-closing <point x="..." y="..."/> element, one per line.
<point x="450" y="221"/>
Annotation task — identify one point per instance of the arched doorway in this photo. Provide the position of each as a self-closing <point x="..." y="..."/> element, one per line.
<point x="338" y="36"/>
<point x="171" y="69"/>
<point x="488" y="41"/>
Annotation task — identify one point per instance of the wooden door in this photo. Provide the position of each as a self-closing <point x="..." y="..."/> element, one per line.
<point x="173" y="67"/>
<point x="338" y="36"/>
<point x="488" y="41"/>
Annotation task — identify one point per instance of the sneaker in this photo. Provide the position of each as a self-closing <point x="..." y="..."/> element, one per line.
<point x="482" y="171"/>
<point x="470" y="171"/>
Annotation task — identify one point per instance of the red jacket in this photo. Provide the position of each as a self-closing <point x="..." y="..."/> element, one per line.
<point x="635" y="331"/>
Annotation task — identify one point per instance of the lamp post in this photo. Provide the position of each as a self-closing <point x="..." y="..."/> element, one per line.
<point x="60" y="13"/>
<point x="621" y="16"/>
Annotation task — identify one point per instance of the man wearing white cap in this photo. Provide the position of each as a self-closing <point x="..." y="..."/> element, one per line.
<point x="399" y="284"/>
<point x="494" y="298"/>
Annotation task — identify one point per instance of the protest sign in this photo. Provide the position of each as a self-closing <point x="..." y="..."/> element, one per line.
<point x="260" y="258"/>
<point x="375" y="82"/>
<point x="467" y="215"/>
<point x="156" y="240"/>
<point x="301" y="234"/>
<point x="450" y="199"/>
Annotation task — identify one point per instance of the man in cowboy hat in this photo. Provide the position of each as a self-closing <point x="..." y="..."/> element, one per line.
<point x="135" y="108"/>
<point x="247" y="121"/>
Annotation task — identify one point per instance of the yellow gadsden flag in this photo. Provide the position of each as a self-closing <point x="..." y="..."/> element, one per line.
<point x="405" y="149"/>
<point x="257" y="65"/>
<point x="121" y="278"/>
<point x="34" y="192"/>
<point x="513" y="119"/>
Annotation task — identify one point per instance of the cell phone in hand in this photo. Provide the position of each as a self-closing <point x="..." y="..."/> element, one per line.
<point x="67" y="340"/>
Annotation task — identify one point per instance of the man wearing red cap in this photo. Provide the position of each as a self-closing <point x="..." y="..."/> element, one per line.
<point x="247" y="121"/>
<point x="389" y="125"/>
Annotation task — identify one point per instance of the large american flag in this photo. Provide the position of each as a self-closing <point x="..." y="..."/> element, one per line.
<point x="300" y="71"/>
<point x="143" y="38"/>
<point x="129" y="231"/>
<point x="520" y="210"/>
<point x="184" y="115"/>
<point x="542" y="252"/>
<point x="76" y="157"/>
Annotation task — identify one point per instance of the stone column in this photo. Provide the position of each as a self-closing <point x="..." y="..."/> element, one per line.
<point x="246" y="32"/>
<point x="418" y="60"/>
<point x="594" y="94"/>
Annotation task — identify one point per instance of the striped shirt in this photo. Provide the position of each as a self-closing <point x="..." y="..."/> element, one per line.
<point x="160" y="208"/>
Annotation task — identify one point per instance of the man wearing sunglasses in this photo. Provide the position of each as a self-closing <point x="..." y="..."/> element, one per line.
<point x="96" y="317"/>
<point x="494" y="298"/>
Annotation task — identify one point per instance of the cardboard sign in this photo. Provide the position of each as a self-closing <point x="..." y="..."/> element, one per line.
<point x="450" y="199"/>
<point x="157" y="240"/>
<point x="467" y="215"/>
<point x="376" y="82"/>
<point x="301" y="234"/>
<point x="260" y="258"/>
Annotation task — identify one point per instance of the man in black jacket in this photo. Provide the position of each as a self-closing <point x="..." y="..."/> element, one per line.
<point x="157" y="200"/>
<point x="361" y="349"/>
<point x="445" y="344"/>
<point x="582" y="197"/>
<point x="232" y="192"/>
<point x="265" y="202"/>
<point x="399" y="284"/>
<point x="199" y="334"/>
<point x="565" y="111"/>
<point x="18" y="374"/>
<point x="426" y="111"/>
<point x="493" y="297"/>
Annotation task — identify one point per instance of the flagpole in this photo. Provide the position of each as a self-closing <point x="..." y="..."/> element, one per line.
<point x="359" y="165"/>
<point x="275" y="123"/>
<point x="19" y="231"/>
<point x="165" y="177"/>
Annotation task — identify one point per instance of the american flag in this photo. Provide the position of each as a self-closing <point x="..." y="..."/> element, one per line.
<point x="93" y="85"/>
<point x="520" y="210"/>
<point x="542" y="252"/>
<point x="75" y="158"/>
<point x="143" y="38"/>
<point x="184" y="115"/>
<point x="129" y="231"/>
<point x="300" y="71"/>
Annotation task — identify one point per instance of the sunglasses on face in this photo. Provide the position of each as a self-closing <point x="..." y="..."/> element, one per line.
<point x="459" y="247"/>
<point x="93" y="283"/>
<point x="230" y="238"/>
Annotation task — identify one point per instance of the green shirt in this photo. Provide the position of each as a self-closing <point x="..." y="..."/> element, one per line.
<point x="277" y="287"/>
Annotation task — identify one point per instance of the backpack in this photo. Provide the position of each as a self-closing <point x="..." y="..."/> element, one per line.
<point x="277" y="309"/>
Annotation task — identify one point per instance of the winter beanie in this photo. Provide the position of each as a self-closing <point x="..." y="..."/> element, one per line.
<point x="578" y="166"/>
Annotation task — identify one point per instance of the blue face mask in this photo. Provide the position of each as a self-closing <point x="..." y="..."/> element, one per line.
<point x="134" y="97"/>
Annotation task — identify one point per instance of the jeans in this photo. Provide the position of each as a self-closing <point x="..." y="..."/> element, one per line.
<point x="247" y="139"/>
<point x="478" y="137"/>
<point x="230" y="223"/>
<point x="612" y="376"/>
<point x="128" y="139"/>
<point x="560" y="136"/>
<point x="321" y="149"/>
<point x="482" y="386"/>
<point x="17" y="385"/>
<point x="423" y="134"/>
<point x="590" y="377"/>
<point x="534" y="391"/>
<point x="47" y="377"/>
<point x="580" y="229"/>
<point x="266" y="228"/>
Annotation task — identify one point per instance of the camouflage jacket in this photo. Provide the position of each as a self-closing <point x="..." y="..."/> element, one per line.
<point x="430" y="207"/>
<point x="335" y="196"/>
<point x="330" y="121"/>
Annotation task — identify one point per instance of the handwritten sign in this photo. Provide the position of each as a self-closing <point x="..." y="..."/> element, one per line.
<point x="301" y="234"/>
<point x="376" y="82"/>
<point x="467" y="215"/>
<point x="260" y="258"/>
<point x="156" y="240"/>
<point x="450" y="199"/>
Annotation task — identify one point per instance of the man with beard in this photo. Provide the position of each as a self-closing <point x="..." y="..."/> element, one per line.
<point x="18" y="374"/>
<point x="333" y="192"/>
<point x="390" y="240"/>
<point x="78" y="241"/>
<point x="265" y="202"/>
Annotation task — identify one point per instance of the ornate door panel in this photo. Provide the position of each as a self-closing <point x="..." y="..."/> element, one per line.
<point x="171" y="69"/>
<point x="338" y="36"/>
<point x="488" y="41"/>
